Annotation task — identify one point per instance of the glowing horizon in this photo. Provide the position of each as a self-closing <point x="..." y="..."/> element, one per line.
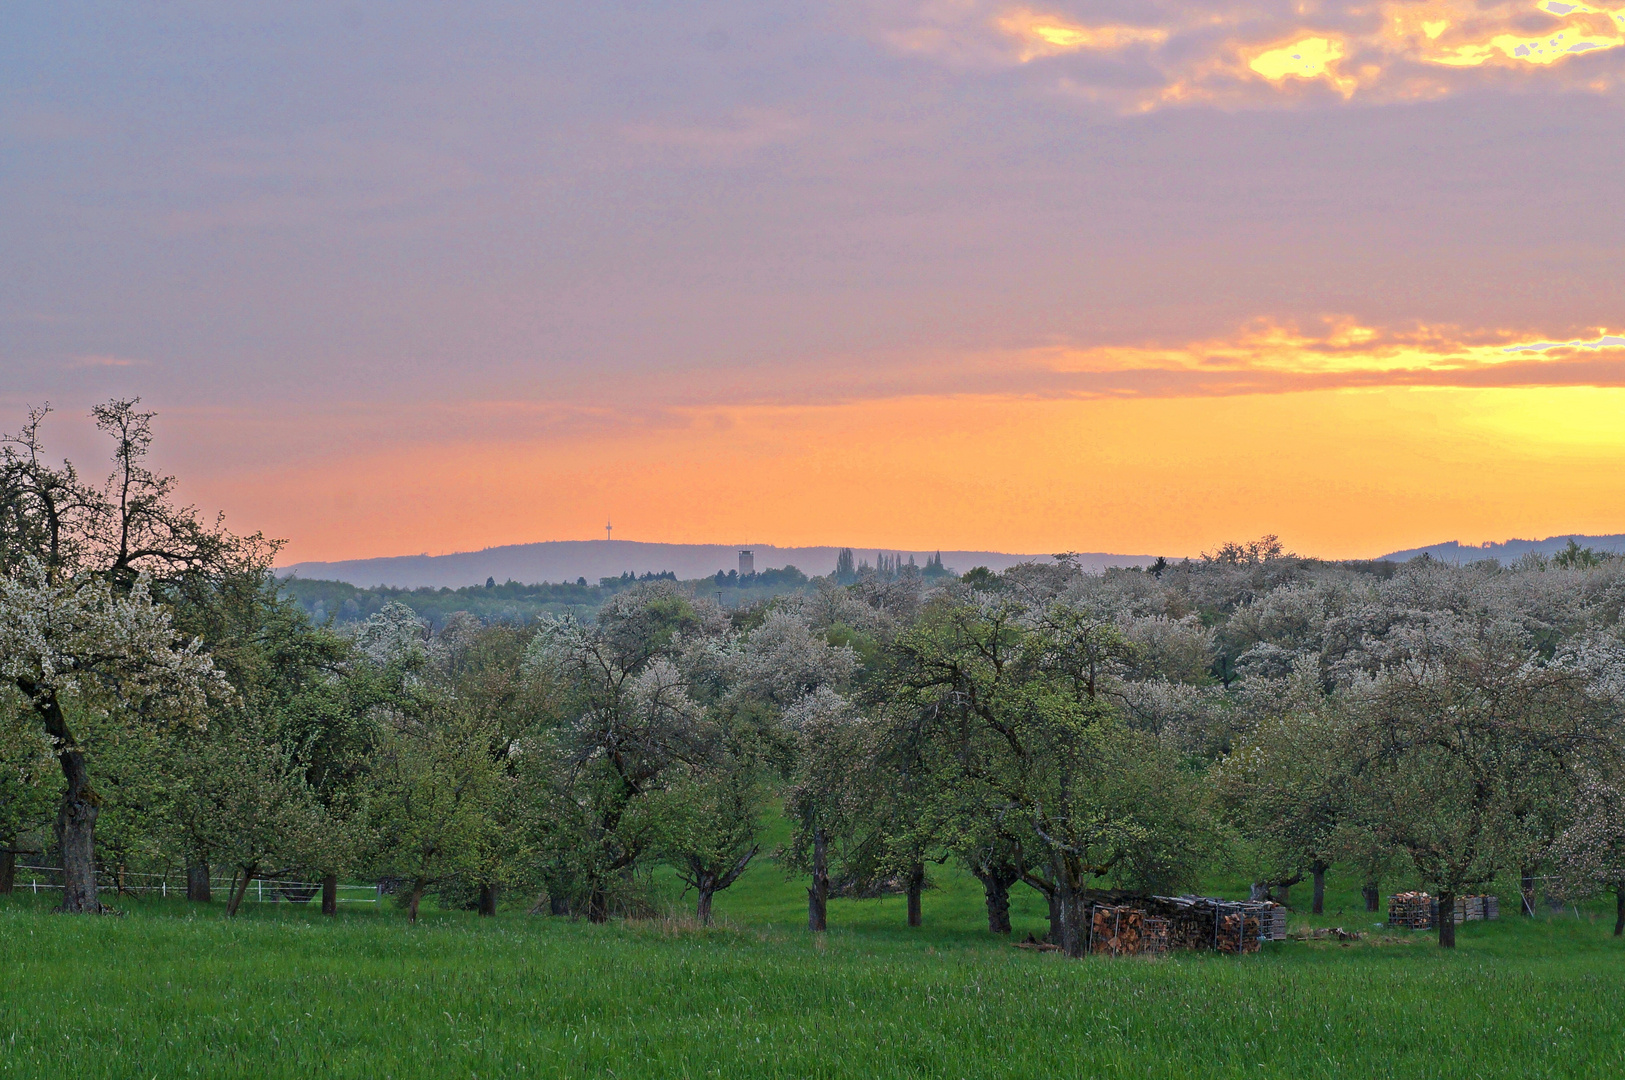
<point x="1019" y="275"/>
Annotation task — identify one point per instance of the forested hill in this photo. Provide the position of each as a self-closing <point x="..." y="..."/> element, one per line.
<point x="569" y="560"/>
<point x="516" y="603"/>
<point x="1510" y="551"/>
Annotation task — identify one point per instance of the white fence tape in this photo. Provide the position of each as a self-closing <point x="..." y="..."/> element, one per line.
<point x="260" y="891"/>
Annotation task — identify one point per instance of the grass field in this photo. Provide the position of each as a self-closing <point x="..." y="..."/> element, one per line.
<point x="174" y="991"/>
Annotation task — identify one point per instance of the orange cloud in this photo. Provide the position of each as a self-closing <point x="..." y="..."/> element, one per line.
<point x="1053" y="35"/>
<point x="1227" y="54"/>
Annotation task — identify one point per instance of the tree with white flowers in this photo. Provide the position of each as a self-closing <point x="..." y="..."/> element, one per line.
<point x="83" y="626"/>
<point x="79" y="645"/>
<point x="1590" y="854"/>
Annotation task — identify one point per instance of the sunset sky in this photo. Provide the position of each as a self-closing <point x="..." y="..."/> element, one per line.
<point x="1135" y="276"/>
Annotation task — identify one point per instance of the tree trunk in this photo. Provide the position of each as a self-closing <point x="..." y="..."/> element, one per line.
<point x="1054" y="899"/>
<point x="239" y="890"/>
<point x="1447" y="920"/>
<point x="488" y="900"/>
<point x="1619" y="912"/>
<point x="1283" y="894"/>
<point x="558" y="905"/>
<point x="1526" y="890"/>
<point x="1258" y="890"/>
<point x="330" y="894"/>
<point x="1069" y="902"/>
<point x="8" y="870"/>
<point x="412" y="901"/>
<point x="76" y="819"/>
<point x="916" y="885"/>
<point x="1318" y="907"/>
<point x="197" y="882"/>
<point x="76" y="835"/>
<point x="597" y="906"/>
<point x="818" y="893"/>
<point x="996" y="884"/>
<point x="1372" y="893"/>
<point x="702" y="910"/>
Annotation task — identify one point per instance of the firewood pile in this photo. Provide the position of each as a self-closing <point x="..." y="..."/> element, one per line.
<point x="1123" y="930"/>
<point x="1271" y="919"/>
<point x="1412" y="910"/>
<point x="1203" y="922"/>
<point x="1419" y="911"/>
<point x="1120" y="923"/>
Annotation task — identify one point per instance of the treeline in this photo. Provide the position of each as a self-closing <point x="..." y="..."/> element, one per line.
<point x="167" y="705"/>
<point x="511" y="602"/>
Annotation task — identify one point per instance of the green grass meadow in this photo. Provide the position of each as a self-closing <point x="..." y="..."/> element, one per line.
<point x="171" y="990"/>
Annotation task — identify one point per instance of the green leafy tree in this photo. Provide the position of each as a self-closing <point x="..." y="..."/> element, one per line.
<point x="28" y="790"/>
<point x="1462" y="719"/>
<point x="1023" y="734"/>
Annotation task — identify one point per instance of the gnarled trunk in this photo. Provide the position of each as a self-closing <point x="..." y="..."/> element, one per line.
<point x="488" y="900"/>
<point x="76" y="834"/>
<point x="1447" y="920"/>
<point x="330" y="894"/>
<point x="996" y="882"/>
<point x="197" y="882"/>
<point x="1372" y="894"/>
<point x="818" y="892"/>
<point x="8" y="870"/>
<point x="916" y="886"/>
<point x="76" y="819"/>
<point x="702" y="909"/>
<point x="1318" y="905"/>
<point x="597" y="906"/>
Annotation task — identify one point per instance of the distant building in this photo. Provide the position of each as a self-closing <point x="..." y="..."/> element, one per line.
<point x="747" y="564"/>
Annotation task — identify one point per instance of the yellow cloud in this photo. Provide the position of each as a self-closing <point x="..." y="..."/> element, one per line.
<point x="1050" y="35"/>
<point x="1414" y="50"/>
<point x="1477" y="36"/>
<point x="1345" y="352"/>
<point x="1307" y="58"/>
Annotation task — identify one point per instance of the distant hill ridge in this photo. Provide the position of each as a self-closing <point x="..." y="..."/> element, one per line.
<point x="1509" y="551"/>
<point x="567" y="560"/>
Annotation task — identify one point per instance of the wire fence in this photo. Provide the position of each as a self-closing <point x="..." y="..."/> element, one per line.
<point x="38" y="879"/>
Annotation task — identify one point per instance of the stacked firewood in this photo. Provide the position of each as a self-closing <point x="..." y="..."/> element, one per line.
<point x="1413" y="911"/>
<point x="1271" y="919"/>
<point x="1116" y="930"/>
<point x="1419" y="911"/>
<point x="1126" y="930"/>
<point x="1202" y="922"/>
